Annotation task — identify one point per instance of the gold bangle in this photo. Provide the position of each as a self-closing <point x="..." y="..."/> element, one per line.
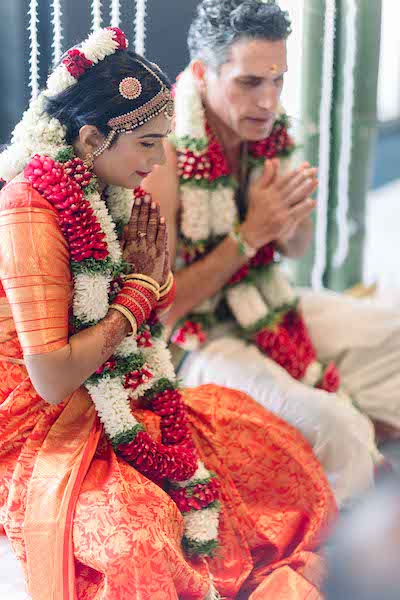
<point x="167" y="289"/>
<point x="128" y="315"/>
<point x="164" y="289"/>
<point x="148" y="286"/>
<point x="141" y="277"/>
<point x="170" y="276"/>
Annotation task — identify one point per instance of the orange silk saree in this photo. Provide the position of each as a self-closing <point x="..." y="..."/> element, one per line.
<point x="87" y="526"/>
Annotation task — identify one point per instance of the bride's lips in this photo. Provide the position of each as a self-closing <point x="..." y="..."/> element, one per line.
<point x="142" y="174"/>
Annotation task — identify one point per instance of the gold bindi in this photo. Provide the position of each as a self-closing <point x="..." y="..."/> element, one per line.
<point x="274" y="69"/>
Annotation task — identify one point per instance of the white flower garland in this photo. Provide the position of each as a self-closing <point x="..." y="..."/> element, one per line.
<point x="276" y="288"/>
<point x="247" y="304"/>
<point x="120" y="203"/>
<point x="202" y="524"/>
<point x="210" y="212"/>
<point x="107" y="225"/>
<point x="91" y="296"/>
<point x="38" y="133"/>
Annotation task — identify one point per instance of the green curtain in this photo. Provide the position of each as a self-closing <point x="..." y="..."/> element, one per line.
<point x="368" y="28"/>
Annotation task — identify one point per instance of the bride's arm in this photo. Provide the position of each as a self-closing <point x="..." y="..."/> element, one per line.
<point x="35" y="273"/>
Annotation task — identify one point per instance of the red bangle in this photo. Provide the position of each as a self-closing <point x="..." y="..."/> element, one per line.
<point x="145" y="300"/>
<point x="147" y="293"/>
<point x="138" y="310"/>
<point x="140" y="298"/>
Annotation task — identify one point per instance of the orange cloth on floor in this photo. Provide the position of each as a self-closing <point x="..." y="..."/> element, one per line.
<point x="87" y="526"/>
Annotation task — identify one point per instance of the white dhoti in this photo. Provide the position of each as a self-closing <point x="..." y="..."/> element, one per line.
<point x="364" y="341"/>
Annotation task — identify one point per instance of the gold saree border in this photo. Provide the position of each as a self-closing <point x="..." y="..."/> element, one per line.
<point x="59" y="470"/>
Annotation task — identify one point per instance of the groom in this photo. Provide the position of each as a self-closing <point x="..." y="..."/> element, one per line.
<point x="228" y="117"/>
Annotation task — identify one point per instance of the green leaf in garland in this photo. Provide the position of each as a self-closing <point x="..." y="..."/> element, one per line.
<point x="92" y="188"/>
<point x="273" y="318"/>
<point x="123" y="365"/>
<point x="161" y="386"/>
<point x="186" y="142"/>
<point x="127" y="436"/>
<point x="193" y="548"/>
<point x="91" y="265"/>
<point x="65" y="155"/>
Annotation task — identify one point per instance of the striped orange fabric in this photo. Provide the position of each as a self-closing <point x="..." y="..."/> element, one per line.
<point x="34" y="270"/>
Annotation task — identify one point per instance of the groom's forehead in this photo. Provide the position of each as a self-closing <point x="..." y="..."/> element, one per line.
<point x="257" y="58"/>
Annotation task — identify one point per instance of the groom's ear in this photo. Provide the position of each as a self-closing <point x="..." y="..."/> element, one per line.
<point x="199" y="71"/>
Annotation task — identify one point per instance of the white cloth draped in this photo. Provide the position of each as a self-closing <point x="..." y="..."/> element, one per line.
<point x="364" y="340"/>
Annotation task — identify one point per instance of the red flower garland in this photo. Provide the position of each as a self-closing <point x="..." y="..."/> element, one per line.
<point x="219" y="166"/>
<point x="76" y="169"/>
<point x="175" y="458"/>
<point x="264" y="257"/>
<point x="240" y="275"/>
<point x="200" y="496"/>
<point x="280" y="347"/>
<point x="294" y="324"/>
<point x="174" y="424"/>
<point x="77" y="220"/>
<point x="119" y="37"/>
<point x="279" y="141"/>
<point x="188" y="329"/>
<point x="157" y="461"/>
<point x="143" y="339"/>
<point x="136" y="378"/>
<point x="76" y="63"/>
<point x="331" y="379"/>
<point x="287" y="343"/>
<point x="209" y="165"/>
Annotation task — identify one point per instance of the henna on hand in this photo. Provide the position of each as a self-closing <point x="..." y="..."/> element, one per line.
<point x="146" y="240"/>
<point x="114" y="328"/>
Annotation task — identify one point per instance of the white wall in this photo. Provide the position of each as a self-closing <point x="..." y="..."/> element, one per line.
<point x="291" y="98"/>
<point x="389" y="75"/>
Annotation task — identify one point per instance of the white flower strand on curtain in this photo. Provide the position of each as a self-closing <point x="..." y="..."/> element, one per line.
<point x="34" y="56"/>
<point x="115" y="13"/>
<point x="140" y="27"/>
<point x="57" y="31"/>
<point x="96" y="15"/>
<point x="324" y="145"/>
<point x="342" y="213"/>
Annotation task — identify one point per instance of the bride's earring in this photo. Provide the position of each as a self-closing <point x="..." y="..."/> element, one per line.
<point x="88" y="162"/>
